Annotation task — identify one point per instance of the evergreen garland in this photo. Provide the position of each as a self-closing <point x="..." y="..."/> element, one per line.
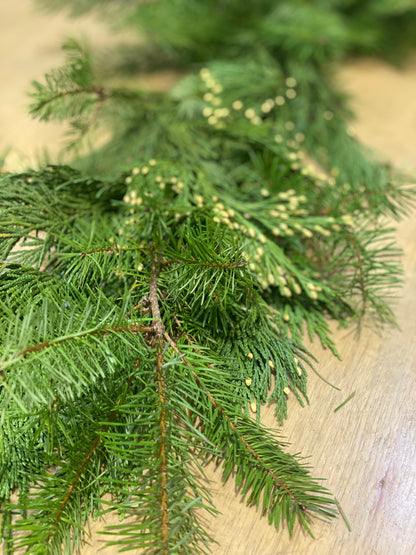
<point x="156" y="295"/>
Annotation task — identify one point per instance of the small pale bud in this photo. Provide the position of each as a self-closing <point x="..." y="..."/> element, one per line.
<point x="250" y="113"/>
<point x="291" y="82"/>
<point x="248" y="382"/>
<point x="237" y="105"/>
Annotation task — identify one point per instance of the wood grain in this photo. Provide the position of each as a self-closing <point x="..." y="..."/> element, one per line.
<point x="367" y="449"/>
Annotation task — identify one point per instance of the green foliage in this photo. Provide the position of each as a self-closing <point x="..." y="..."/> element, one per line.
<point x="153" y="302"/>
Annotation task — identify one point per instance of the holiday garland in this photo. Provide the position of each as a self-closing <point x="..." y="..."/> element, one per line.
<point x="154" y="298"/>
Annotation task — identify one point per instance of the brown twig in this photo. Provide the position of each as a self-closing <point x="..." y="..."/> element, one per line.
<point x="203" y="263"/>
<point x="159" y="330"/>
<point x="132" y="328"/>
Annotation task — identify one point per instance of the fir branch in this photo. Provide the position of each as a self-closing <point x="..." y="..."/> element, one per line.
<point x="88" y="457"/>
<point x="360" y="271"/>
<point x="314" y="506"/>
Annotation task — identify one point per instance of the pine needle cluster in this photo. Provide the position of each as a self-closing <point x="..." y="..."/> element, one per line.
<point x="157" y="296"/>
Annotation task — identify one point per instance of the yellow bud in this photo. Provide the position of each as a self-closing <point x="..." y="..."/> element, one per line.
<point x="347" y="219"/>
<point x="265" y="108"/>
<point x="207" y="111"/>
<point x="271" y="279"/>
<point x="205" y="73"/>
<point x="297" y="288"/>
<point x="253" y="406"/>
<point x="248" y="382"/>
<point x="286" y="390"/>
<point x="250" y="356"/>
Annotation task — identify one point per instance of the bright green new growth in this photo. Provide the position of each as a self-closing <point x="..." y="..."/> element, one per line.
<point x="148" y="312"/>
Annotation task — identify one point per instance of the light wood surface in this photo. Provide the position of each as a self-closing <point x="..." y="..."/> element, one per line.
<point x="367" y="449"/>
